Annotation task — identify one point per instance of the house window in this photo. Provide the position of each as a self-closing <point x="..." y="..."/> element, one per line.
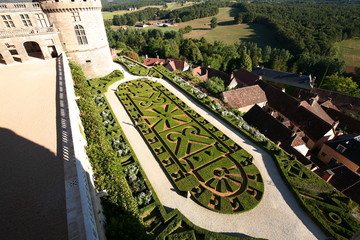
<point x="340" y="148"/>
<point x="80" y="35"/>
<point x="8" y="21"/>
<point x="76" y="16"/>
<point x="323" y="154"/>
<point x="305" y="139"/>
<point x="26" y="20"/>
<point x="41" y="20"/>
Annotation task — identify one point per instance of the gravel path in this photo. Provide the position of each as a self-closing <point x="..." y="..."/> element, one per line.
<point x="278" y="216"/>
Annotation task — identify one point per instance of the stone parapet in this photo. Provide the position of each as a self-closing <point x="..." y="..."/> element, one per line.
<point x="21" y="6"/>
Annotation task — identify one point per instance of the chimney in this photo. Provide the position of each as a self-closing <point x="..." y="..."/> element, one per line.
<point x="146" y="56"/>
<point x="300" y="74"/>
<point x="157" y="56"/>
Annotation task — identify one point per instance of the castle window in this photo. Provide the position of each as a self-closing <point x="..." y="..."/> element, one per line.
<point x="40" y="18"/>
<point x="80" y="35"/>
<point x="76" y="16"/>
<point x="8" y="21"/>
<point x="26" y="20"/>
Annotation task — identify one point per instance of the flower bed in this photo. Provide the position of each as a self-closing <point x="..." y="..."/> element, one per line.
<point x="191" y="150"/>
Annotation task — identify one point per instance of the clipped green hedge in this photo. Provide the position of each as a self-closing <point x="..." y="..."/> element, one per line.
<point x="338" y="232"/>
<point x="134" y="96"/>
<point x="100" y="85"/>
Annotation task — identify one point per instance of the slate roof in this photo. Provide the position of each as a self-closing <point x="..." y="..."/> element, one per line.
<point x="245" y="77"/>
<point x="346" y="181"/>
<point x="271" y="127"/>
<point x="352" y="144"/>
<point x="299" y="114"/>
<point x="245" y="96"/>
<point x="292" y="79"/>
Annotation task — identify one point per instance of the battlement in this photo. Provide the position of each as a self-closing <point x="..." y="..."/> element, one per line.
<point x="15" y="7"/>
<point x="70" y="6"/>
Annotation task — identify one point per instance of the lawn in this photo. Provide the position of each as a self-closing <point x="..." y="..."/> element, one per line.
<point x="109" y="15"/>
<point x="227" y="31"/>
<point x="197" y="157"/>
<point x="349" y="51"/>
<point x="175" y="5"/>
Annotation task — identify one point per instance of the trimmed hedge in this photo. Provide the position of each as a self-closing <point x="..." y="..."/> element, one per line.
<point x="233" y="119"/>
<point x="155" y="111"/>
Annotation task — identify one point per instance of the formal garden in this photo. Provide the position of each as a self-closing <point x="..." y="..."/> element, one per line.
<point x="197" y="157"/>
<point x="130" y="195"/>
<point x="131" y="207"/>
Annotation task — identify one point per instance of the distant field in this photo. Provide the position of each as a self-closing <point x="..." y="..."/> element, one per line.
<point x="350" y="51"/>
<point x="109" y="15"/>
<point x="226" y="31"/>
<point x="229" y="32"/>
<point x="176" y="5"/>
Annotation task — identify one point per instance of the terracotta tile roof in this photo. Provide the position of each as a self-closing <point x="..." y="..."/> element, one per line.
<point x="301" y="81"/>
<point x="338" y="99"/>
<point x="154" y="61"/>
<point x="307" y="121"/>
<point x="271" y="127"/>
<point x="215" y="73"/>
<point x="346" y="123"/>
<point x="245" y="96"/>
<point x="317" y="110"/>
<point x="328" y="104"/>
<point x="245" y="77"/>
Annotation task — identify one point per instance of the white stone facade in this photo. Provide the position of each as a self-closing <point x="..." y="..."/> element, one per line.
<point x="50" y="27"/>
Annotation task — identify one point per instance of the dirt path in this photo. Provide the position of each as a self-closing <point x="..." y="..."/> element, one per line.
<point x="278" y="216"/>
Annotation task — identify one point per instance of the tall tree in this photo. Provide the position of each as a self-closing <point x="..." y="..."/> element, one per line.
<point x="245" y="62"/>
<point x="341" y="84"/>
<point x="213" y="22"/>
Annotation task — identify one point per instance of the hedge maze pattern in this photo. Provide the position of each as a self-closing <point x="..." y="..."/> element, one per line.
<point x="198" y="157"/>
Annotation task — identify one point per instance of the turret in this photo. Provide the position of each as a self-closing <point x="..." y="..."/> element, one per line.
<point x="82" y="33"/>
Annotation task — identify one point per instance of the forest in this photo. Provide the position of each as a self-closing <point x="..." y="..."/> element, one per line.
<point x="306" y="32"/>
<point x="312" y="27"/>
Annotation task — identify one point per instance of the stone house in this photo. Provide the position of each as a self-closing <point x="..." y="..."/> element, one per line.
<point x="245" y="98"/>
<point x="308" y="120"/>
<point x="291" y="79"/>
<point x="344" y="149"/>
<point x="242" y="78"/>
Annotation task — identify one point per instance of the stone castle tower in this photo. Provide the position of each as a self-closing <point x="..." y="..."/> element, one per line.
<point x="82" y="33"/>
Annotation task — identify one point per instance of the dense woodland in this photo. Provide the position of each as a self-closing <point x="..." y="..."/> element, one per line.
<point x="306" y="32"/>
<point x="312" y="28"/>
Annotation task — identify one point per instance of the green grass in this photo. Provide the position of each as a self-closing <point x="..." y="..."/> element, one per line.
<point x="349" y="51"/>
<point x="109" y="15"/>
<point x="200" y="154"/>
<point x="176" y="5"/>
<point x="227" y="31"/>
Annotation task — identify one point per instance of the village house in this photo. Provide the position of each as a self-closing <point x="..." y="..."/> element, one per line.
<point x="344" y="149"/>
<point x="245" y="98"/>
<point x="291" y="79"/>
<point x="308" y="120"/>
<point x="169" y="63"/>
<point x="200" y="72"/>
<point x="242" y="78"/>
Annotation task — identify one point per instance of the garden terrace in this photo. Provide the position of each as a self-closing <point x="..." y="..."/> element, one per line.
<point x="130" y="196"/>
<point x="197" y="157"/>
<point x="314" y="195"/>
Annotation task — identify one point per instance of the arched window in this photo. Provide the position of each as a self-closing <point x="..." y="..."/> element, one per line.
<point x="80" y="35"/>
